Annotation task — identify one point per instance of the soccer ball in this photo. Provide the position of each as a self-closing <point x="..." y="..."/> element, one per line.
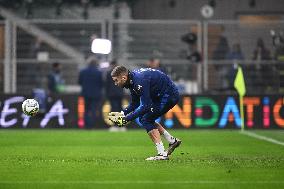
<point x="30" y="107"/>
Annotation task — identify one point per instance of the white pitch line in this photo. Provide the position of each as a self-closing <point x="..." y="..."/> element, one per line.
<point x="142" y="182"/>
<point x="260" y="137"/>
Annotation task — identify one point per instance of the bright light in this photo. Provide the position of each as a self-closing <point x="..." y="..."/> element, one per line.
<point x="101" y="46"/>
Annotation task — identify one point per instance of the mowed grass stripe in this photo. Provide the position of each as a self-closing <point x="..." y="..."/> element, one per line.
<point x="71" y="158"/>
<point x="143" y="182"/>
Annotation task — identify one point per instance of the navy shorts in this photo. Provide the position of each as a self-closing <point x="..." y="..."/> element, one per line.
<point x="159" y="108"/>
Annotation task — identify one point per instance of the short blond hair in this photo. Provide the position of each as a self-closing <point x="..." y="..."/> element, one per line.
<point x="119" y="70"/>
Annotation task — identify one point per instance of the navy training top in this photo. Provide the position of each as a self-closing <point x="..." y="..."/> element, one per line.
<point x="146" y="86"/>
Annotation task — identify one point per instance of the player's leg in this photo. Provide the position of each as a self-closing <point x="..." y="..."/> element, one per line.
<point x="163" y="132"/>
<point x="173" y="141"/>
<point x="153" y="132"/>
<point x="156" y="138"/>
<point x="167" y="103"/>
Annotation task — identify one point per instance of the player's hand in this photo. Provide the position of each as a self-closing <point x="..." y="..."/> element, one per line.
<point x="121" y="121"/>
<point x="118" y="118"/>
<point x="116" y="114"/>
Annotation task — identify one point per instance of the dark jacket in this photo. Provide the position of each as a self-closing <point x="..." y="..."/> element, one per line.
<point x="55" y="80"/>
<point x="91" y="81"/>
<point x="146" y="86"/>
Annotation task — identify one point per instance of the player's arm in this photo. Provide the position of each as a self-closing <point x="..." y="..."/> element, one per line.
<point x="133" y="104"/>
<point x="145" y="102"/>
<point x="119" y="118"/>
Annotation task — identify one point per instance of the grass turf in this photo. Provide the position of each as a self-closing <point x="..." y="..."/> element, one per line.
<point x="101" y="159"/>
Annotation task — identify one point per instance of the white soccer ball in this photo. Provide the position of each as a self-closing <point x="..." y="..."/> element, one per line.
<point x="30" y="107"/>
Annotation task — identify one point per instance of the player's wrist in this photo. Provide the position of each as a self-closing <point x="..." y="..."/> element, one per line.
<point x="126" y="118"/>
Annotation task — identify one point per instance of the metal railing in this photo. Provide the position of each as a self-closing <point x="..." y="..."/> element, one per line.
<point x="135" y="41"/>
<point x="223" y="37"/>
<point x="75" y="33"/>
<point x="142" y="39"/>
<point x="260" y="77"/>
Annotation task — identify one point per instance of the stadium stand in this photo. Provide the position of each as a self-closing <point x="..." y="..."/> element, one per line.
<point x="135" y="41"/>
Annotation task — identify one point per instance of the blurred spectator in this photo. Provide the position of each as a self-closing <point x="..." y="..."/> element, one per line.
<point x="37" y="47"/>
<point x="278" y="43"/>
<point x="113" y="92"/>
<point x="261" y="52"/>
<point x="91" y="81"/>
<point x="235" y="55"/>
<point x="262" y="71"/>
<point x="222" y="48"/>
<point x="192" y="53"/>
<point x="38" y="51"/>
<point x="155" y="63"/>
<point x="40" y="95"/>
<point x="55" y="79"/>
<point x="220" y="53"/>
<point x="278" y="54"/>
<point x="189" y="38"/>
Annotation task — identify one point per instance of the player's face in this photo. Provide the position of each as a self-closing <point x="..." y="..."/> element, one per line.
<point x="120" y="80"/>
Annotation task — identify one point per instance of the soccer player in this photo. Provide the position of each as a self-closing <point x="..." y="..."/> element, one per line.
<point x="153" y="94"/>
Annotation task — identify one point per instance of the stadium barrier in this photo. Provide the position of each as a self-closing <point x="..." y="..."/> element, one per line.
<point x="196" y="111"/>
<point x="175" y="42"/>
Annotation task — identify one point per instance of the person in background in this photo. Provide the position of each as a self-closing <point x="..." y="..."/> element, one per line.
<point x="36" y="48"/>
<point x="191" y="54"/>
<point x="220" y="54"/>
<point x="263" y="71"/>
<point x="261" y="52"/>
<point x="222" y="48"/>
<point x="55" y="80"/>
<point x="235" y="55"/>
<point x="155" y="63"/>
<point x="113" y="93"/>
<point x="91" y="82"/>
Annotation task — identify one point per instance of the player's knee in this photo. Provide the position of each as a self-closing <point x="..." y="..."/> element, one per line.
<point x="150" y="127"/>
<point x="147" y="124"/>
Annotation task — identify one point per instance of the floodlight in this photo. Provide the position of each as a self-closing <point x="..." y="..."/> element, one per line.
<point x="101" y="46"/>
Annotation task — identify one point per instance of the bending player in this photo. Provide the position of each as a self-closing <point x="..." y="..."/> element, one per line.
<point x="153" y="94"/>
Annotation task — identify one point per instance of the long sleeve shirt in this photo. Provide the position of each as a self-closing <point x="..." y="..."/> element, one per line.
<point x="146" y="86"/>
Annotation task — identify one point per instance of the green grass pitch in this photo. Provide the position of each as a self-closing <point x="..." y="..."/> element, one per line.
<point x="101" y="159"/>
